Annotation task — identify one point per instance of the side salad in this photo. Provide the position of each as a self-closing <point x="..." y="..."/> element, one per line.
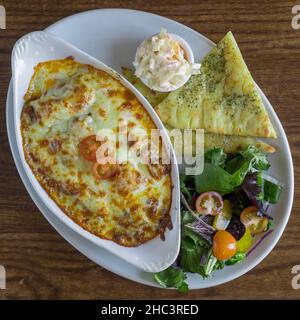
<point x="222" y="210"/>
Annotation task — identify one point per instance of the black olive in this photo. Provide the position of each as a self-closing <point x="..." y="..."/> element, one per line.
<point x="236" y="228"/>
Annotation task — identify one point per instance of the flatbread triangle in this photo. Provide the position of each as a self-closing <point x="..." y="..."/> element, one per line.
<point x="222" y="99"/>
<point x="230" y="144"/>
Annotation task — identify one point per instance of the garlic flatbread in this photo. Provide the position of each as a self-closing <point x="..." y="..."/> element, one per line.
<point x="233" y="144"/>
<point x="230" y="144"/>
<point x="222" y="99"/>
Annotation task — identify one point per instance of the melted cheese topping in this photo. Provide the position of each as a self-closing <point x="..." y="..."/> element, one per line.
<point x="65" y="102"/>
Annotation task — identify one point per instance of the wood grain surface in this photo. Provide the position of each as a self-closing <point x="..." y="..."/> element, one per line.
<point x="42" y="265"/>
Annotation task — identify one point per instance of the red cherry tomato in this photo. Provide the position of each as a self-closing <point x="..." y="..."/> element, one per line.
<point x="224" y="245"/>
<point x="88" y="147"/>
<point x="209" y="203"/>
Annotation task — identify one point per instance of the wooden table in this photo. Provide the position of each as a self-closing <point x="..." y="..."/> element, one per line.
<point x="41" y="264"/>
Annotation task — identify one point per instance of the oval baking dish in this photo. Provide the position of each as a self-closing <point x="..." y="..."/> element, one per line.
<point x="152" y="256"/>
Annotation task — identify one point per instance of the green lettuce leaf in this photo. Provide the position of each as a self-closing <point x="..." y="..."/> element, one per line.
<point x="237" y="258"/>
<point x="190" y="256"/>
<point x="172" y="277"/>
<point x="225" y="180"/>
<point x="214" y="178"/>
<point x="215" y="156"/>
<point x="271" y="191"/>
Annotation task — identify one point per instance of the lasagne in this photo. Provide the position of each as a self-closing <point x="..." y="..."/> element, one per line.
<point x="67" y="103"/>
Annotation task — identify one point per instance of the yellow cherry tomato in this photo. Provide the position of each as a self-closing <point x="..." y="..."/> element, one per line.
<point x="224" y="245"/>
<point x="227" y="210"/>
<point x="250" y="218"/>
<point x="220" y="223"/>
<point x="244" y="244"/>
<point x="221" y="220"/>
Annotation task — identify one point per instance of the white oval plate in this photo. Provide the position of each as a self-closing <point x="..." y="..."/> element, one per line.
<point x="111" y="35"/>
<point x="152" y="256"/>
